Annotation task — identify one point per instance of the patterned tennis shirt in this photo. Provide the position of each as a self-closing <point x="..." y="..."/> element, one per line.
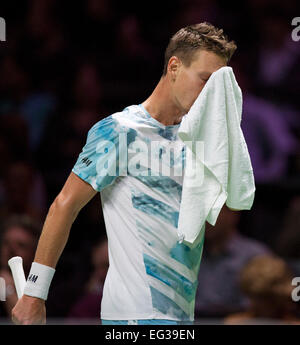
<point x="137" y="165"/>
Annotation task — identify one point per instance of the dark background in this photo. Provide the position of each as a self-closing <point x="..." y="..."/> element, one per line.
<point x="66" y="65"/>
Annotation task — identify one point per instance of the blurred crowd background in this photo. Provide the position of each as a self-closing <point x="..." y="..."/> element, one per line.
<point x="66" y="65"/>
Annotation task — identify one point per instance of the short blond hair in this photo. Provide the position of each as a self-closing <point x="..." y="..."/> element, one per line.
<point x="185" y="42"/>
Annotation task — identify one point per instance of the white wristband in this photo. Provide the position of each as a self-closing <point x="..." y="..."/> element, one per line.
<point x="39" y="280"/>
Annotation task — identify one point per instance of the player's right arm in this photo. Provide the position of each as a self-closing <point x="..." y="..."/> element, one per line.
<point x="81" y="186"/>
<point x="74" y="195"/>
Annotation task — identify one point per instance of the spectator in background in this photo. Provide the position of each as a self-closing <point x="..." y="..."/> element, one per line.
<point x="225" y="253"/>
<point x="24" y="191"/>
<point x="19" y="237"/>
<point x="6" y="157"/>
<point x="87" y="89"/>
<point x="81" y="109"/>
<point x="278" y="56"/>
<point x="130" y="41"/>
<point x="269" y="138"/>
<point x="87" y="306"/>
<point x="287" y="244"/>
<point x="15" y="133"/>
<point x="23" y="104"/>
<point x="193" y="11"/>
<point x="14" y="83"/>
<point x="44" y="29"/>
<point x="266" y="280"/>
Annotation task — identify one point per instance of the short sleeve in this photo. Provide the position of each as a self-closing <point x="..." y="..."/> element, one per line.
<point x="97" y="164"/>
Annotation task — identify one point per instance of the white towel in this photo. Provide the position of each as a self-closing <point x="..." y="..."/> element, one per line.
<point x="215" y="121"/>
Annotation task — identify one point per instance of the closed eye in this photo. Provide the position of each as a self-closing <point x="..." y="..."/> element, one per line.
<point x="204" y="76"/>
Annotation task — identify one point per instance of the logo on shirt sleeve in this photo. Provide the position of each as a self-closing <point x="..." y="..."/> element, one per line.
<point x="86" y="161"/>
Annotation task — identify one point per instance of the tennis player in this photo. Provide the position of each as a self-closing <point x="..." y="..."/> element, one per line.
<point x="134" y="159"/>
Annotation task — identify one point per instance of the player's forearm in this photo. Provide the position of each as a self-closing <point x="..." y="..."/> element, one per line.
<point x="55" y="233"/>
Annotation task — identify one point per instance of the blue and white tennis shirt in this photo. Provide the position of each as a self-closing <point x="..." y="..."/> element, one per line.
<point x="137" y="164"/>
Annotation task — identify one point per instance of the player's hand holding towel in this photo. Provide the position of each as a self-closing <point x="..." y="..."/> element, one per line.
<point x="215" y="121"/>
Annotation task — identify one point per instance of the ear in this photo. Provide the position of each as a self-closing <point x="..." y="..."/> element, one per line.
<point x="173" y="67"/>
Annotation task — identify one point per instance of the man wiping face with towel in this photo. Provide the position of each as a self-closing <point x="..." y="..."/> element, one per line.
<point x="154" y="263"/>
